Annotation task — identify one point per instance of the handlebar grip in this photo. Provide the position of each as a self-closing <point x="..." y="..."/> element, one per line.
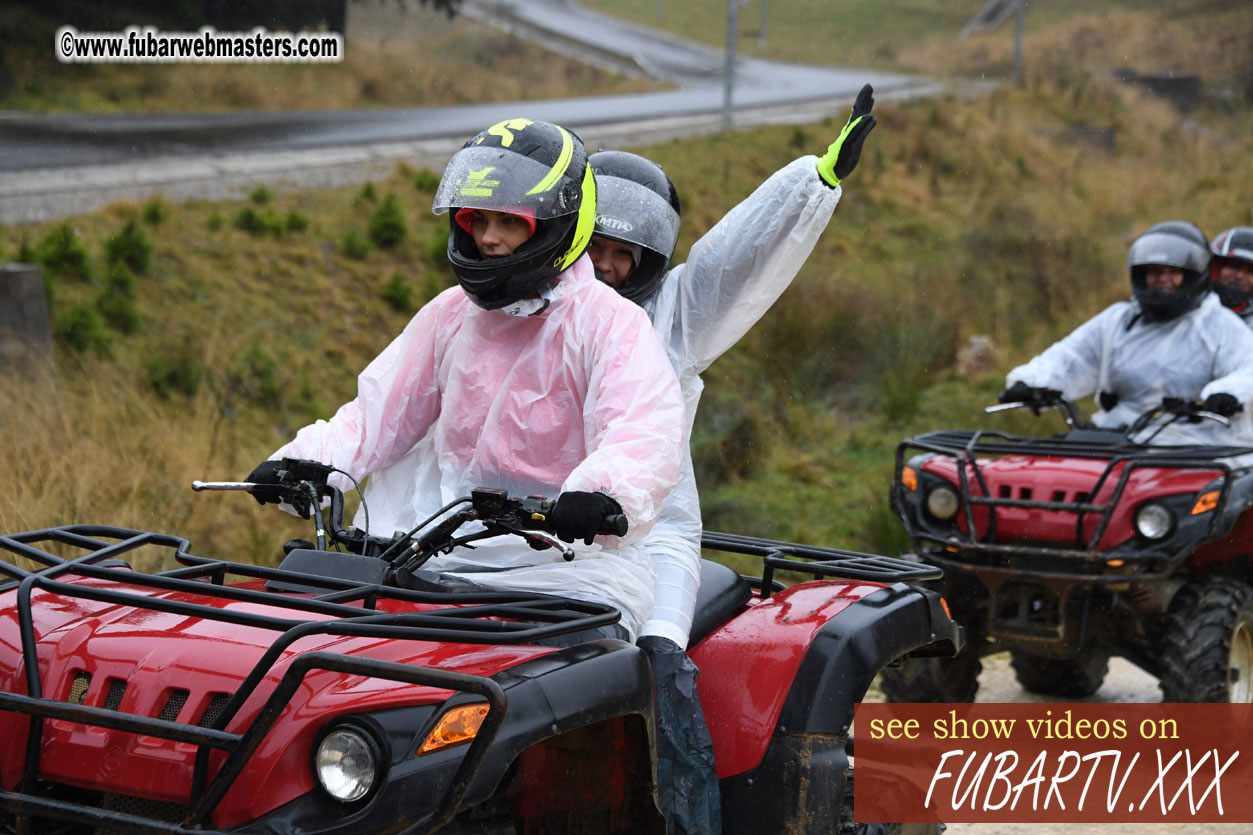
<point x="614" y="525"/>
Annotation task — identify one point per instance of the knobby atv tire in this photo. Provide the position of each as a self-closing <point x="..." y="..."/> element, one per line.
<point x="953" y="679"/>
<point x="1072" y="678"/>
<point x="1204" y="619"/>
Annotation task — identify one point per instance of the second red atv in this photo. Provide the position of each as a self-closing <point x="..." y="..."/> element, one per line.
<point x="351" y="691"/>
<point x="1069" y="549"/>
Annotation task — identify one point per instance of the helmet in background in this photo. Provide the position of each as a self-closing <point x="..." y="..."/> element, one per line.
<point x="1172" y="243"/>
<point x="638" y="206"/>
<point x="1233" y="246"/>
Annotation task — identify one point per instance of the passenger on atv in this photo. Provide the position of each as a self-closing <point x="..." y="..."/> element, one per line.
<point x="530" y="376"/>
<point x="699" y="309"/>
<point x="1232" y="270"/>
<point x="1173" y="340"/>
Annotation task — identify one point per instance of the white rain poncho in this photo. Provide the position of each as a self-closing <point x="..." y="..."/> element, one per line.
<point x="733" y="274"/>
<point x="1205" y="351"/>
<point x="577" y="397"/>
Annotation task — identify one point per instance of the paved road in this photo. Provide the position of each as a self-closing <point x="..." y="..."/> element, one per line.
<point x="68" y="163"/>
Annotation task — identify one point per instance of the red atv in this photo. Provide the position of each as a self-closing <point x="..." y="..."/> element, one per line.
<point x="350" y="690"/>
<point x="1070" y="549"/>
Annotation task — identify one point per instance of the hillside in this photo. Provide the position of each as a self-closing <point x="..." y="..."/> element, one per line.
<point x="1005" y="216"/>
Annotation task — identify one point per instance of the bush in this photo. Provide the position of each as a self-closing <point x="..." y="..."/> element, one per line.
<point x="435" y="243"/>
<point x="26" y="253"/>
<point x="260" y="195"/>
<point x="215" y="221"/>
<point x="296" y="222"/>
<point x="61" y="252"/>
<point x="116" y="303"/>
<point x="387" y="225"/>
<point x="175" y="369"/>
<point x="426" y="181"/>
<point x="130" y="247"/>
<point x="154" y="212"/>
<point x="354" y="246"/>
<point x="398" y="293"/>
<point x="258" y="223"/>
<point x="367" y="193"/>
<point x="81" y="328"/>
<point x="253" y="376"/>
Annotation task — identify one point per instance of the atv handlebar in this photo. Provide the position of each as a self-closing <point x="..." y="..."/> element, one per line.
<point x="1177" y="408"/>
<point x="304" y="485"/>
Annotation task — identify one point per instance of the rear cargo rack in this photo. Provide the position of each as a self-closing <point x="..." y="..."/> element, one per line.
<point x="345" y="608"/>
<point x="963" y="446"/>
<point x="817" y="561"/>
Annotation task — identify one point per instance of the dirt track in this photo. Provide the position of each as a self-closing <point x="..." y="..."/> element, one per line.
<point x="1124" y="683"/>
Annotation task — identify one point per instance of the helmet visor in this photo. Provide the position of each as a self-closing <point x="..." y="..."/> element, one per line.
<point x="631" y="213"/>
<point x="482" y="177"/>
<point x="1168" y="250"/>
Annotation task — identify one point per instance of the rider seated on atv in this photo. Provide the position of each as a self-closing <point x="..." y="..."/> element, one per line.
<point x="1232" y="270"/>
<point x="1174" y="339"/>
<point x="529" y="376"/>
<point x="733" y="274"/>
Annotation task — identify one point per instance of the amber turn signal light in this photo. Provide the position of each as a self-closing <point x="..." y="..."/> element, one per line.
<point x="456" y="726"/>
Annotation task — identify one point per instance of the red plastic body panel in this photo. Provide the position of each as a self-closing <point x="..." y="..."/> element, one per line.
<point x="770" y="638"/>
<point x="1053" y="479"/>
<point x="155" y="652"/>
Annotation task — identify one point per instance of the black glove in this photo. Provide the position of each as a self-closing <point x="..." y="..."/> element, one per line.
<point x="1034" y="397"/>
<point x="842" y="155"/>
<point x="265" y="473"/>
<point x="1108" y="400"/>
<point x="578" y="515"/>
<point x="1221" y="403"/>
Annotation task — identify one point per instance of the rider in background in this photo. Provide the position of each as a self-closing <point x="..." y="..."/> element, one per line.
<point x="1232" y="270"/>
<point x="733" y="274"/>
<point x="1173" y="339"/>
<point x="529" y="376"/>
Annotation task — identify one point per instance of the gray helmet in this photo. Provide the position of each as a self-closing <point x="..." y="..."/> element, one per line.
<point x="637" y="205"/>
<point x="1172" y="243"/>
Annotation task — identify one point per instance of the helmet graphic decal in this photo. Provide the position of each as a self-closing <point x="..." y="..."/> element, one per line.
<point x="559" y="168"/>
<point x="505" y="130"/>
<point x="477" y="185"/>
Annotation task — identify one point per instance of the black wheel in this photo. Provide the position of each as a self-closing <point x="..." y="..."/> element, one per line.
<point x="953" y="679"/>
<point x="1073" y="678"/>
<point x="1207" y="653"/>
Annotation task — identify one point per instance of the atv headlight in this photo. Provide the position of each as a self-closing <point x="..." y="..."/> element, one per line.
<point x="942" y="502"/>
<point x="346" y="764"/>
<point x="1154" y="521"/>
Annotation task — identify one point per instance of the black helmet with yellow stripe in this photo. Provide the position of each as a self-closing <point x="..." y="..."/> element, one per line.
<point x="534" y="169"/>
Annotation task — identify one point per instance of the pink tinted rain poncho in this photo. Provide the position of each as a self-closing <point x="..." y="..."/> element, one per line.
<point x="580" y="396"/>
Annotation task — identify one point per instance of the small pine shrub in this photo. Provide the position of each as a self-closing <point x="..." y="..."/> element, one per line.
<point x="296" y="222"/>
<point x="175" y="370"/>
<point x="26" y="252"/>
<point x="215" y="222"/>
<point x="367" y="193"/>
<point x="80" y="329"/>
<point x="260" y="195"/>
<point x="354" y="246"/>
<point x="130" y="247"/>
<point x="426" y="181"/>
<point x="398" y="293"/>
<point x="257" y="223"/>
<point x="116" y="303"/>
<point x="387" y="225"/>
<point x="62" y="253"/>
<point x="154" y="212"/>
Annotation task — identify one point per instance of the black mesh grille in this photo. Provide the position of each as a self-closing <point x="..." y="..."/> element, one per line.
<point x="78" y="687"/>
<point x="214" y="710"/>
<point x="117" y="687"/>
<point x="173" y="705"/>
<point x="142" y="807"/>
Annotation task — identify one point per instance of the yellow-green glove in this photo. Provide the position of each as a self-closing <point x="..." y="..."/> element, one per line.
<point x="842" y="155"/>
